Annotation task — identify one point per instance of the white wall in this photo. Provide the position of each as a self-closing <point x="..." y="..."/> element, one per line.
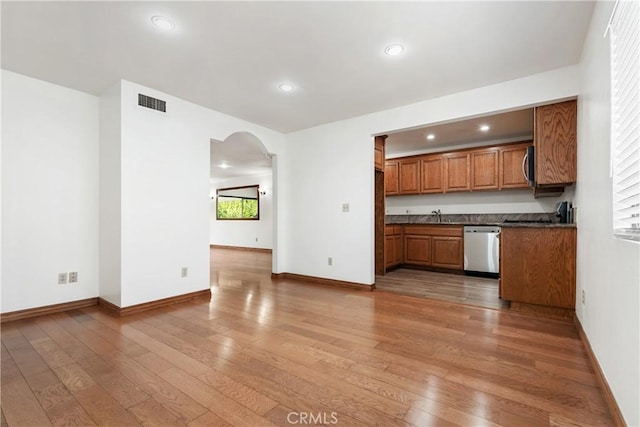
<point x="110" y="223"/>
<point x="165" y="193"/>
<point x="49" y="192"/>
<point x="608" y="269"/>
<point x="333" y="164"/>
<point x="246" y="234"/>
<point x="483" y="202"/>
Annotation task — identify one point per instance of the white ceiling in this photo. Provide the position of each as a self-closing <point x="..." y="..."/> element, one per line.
<point x="230" y="56"/>
<point x="241" y="154"/>
<point x="503" y="128"/>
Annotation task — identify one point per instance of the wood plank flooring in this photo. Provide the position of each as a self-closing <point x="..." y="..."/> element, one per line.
<point x="264" y="353"/>
<point x="477" y="291"/>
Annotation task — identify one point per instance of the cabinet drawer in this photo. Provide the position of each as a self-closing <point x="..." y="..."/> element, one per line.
<point x="392" y="230"/>
<point x="433" y="230"/>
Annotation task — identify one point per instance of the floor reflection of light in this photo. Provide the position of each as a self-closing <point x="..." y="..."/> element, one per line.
<point x="263" y="311"/>
<point x="480" y="405"/>
<point x="247" y="302"/>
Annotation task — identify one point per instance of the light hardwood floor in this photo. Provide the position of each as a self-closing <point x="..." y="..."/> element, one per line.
<point x="261" y="352"/>
<point x="478" y="291"/>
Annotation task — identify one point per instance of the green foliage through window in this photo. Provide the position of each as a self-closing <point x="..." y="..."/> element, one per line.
<point x="237" y="208"/>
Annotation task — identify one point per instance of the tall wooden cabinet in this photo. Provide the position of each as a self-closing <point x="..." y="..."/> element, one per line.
<point x="378" y="152"/>
<point x="538" y="266"/>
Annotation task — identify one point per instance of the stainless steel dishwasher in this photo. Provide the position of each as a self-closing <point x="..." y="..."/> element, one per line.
<point x="482" y="250"/>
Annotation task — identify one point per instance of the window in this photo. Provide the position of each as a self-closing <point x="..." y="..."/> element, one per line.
<point x="625" y="118"/>
<point x="238" y="203"/>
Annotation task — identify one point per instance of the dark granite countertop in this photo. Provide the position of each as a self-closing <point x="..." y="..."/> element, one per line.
<point x="480" y="219"/>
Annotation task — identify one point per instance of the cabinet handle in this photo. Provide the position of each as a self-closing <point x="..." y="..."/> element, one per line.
<point x="524" y="161"/>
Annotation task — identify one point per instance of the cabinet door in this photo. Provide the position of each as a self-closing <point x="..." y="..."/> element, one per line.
<point x="484" y="169"/>
<point x="555" y="142"/>
<point x="432" y="174"/>
<point x="456" y="172"/>
<point x="389" y="251"/>
<point x="417" y="250"/>
<point x="379" y="152"/>
<point x="538" y="266"/>
<point x="398" y="257"/>
<point x="379" y="159"/>
<point x="447" y="252"/>
<point x="511" y="174"/>
<point x="391" y="177"/>
<point x="409" y="176"/>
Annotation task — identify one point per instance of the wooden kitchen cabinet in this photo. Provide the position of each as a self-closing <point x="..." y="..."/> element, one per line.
<point x="432" y="169"/>
<point x="447" y="252"/>
<point x="484" y="169"/>
<point x="391" y="177"/>
<point x="555" y="130"/>
<point x="511" y="164"/>
<point x="538" y="266"/>
<point x="393" y="247"/>
<point x="409" y="176"/>
<point x="379" y="152"/>
<point x="433" y="246"/>
<point x="417" y="249"/>
<point x="456" y="172"/>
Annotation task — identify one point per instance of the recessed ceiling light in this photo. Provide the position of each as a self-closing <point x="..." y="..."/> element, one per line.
<point x="431" y="137"/>
<point x="224" y="165"/>
<point x="163" y="23"/>
<point x="394" y="49"/>
<point x="484" y="128"/>
<point x="285" y="87"/>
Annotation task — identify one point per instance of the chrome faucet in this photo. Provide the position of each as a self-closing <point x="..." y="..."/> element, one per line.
<point x="438" y="215"/>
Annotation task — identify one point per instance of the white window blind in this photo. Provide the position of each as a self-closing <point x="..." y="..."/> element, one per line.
<point x="625" y="118"/>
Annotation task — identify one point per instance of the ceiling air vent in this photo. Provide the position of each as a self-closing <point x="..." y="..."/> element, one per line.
<point x="153" y="103"/>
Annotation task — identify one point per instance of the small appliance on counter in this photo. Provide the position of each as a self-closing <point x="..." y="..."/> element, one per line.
<point x="565" y="212"/>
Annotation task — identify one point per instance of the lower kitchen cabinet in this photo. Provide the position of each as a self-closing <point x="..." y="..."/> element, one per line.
<point x="393" y="248"/>
<point x="447" y="252"/>
<point x="433" y="246"/>
<point x="538" y="266"/>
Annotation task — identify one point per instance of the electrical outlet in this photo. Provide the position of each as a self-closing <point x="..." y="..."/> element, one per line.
<point x="62" y="278"/>
<point x="184" y="272"/>
<point x="256" y="239"/>
<point x="583" y="296"/>
<point x="330" y="261"/>
<point x="345" y="207"/>
<point x="73" y="277"/>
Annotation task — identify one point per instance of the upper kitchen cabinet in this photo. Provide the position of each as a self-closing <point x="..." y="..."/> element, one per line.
<point x="379" y="152"/>
<point x="456" y="172"/>
<point x="555" y="143"/>
<point x="512" y="164"/>
<point x="409" y="176"/>
<point x="432" y="169"/>
<point x="391" y="177"/>
<point x="484" y="169"/>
